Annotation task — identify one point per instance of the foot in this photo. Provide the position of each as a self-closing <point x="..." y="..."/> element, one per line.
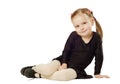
<point x="28" y="72"/>
<point x="23" y="69"/>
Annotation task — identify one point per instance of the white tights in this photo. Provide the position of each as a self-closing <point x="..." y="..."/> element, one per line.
<point x="50" y="71"/>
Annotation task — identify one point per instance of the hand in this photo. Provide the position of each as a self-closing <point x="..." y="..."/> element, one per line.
<point x="63" y="66"/>
<point x="102" y="76"/>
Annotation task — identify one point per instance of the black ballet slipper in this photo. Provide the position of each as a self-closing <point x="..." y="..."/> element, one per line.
<point x="28" y="72"/>
<point x="24" y="68"/>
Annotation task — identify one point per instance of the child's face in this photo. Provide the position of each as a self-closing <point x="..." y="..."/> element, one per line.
<point x="83" y="24"/>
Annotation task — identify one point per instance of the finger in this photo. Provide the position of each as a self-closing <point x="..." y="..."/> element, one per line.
<point x="98" y="77"/>
<point x="106" y="76"/>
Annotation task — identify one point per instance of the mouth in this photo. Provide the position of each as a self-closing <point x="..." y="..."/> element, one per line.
<point x="83" y="31"/>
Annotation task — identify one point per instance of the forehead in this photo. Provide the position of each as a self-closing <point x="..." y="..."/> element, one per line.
<point x="80" y="18"/>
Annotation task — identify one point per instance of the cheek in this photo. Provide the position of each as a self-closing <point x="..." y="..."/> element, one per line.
<point x="77" y="30"/>
<point x="89" y="26"/>
<point x="86" y="26"/>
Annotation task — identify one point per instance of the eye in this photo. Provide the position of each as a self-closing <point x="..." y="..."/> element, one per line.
<point x="77" y="26"/>
<point x="84" y="23"/>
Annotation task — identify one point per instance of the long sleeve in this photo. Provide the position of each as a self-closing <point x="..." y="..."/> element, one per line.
<point x="98" y="57"/>
<point x="68" y="47"/>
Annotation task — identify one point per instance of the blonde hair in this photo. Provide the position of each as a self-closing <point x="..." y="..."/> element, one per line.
<point x="90" y="14"/>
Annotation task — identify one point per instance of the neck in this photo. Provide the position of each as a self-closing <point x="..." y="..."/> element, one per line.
<point x="87" y="38"/>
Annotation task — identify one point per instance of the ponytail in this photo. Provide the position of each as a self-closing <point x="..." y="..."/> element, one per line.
<point x="98" y="28"/>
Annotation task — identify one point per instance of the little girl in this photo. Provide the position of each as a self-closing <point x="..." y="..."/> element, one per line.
<point x="81" y="47"/>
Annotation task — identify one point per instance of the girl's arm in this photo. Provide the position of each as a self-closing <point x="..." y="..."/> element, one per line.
<point x="98" y="64"/>
<point x="68" y="47"/>
<point x="99" y="60"/>
<point x="98" y="57"/>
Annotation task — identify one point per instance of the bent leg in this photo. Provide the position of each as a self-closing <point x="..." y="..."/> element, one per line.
<point x="47" y="69"/>
<point x="63" y="75"/>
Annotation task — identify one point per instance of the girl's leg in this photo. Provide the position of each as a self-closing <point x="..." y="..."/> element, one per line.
<point x="47" y="69"/>
<point x="63" y="75"/>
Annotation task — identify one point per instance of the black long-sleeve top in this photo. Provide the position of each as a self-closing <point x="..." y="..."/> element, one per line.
<point x="77" y="53"/>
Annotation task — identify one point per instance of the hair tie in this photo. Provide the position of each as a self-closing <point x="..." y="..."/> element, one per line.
<point x="90" y="12"/>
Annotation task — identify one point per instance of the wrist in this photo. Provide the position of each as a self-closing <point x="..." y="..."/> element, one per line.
<point x="64" y="65"/>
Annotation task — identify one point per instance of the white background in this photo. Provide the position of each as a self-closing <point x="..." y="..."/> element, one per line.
<point x="35" y="31"/>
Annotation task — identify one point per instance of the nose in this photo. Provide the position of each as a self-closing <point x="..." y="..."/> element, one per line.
<point x="82" y="28"/>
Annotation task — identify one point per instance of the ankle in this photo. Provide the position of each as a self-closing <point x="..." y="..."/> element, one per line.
<point x="37" y="75"/>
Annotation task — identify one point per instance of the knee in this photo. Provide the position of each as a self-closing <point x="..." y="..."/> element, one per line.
<point x="69" y="74"/>
<point x="64" y="75"/>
